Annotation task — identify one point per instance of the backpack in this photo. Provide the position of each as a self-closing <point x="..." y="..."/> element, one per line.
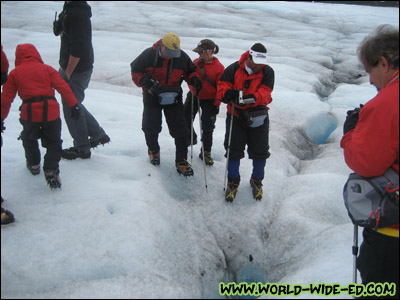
<point x="373" y="202"/>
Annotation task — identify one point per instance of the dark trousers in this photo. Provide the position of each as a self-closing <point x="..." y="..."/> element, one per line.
<point x="256" y="139"/>
<point x="379" y="259"/>
<point x="86" y="126"/>
<point x="50" y="135"/>
<point x="208" y="117"/>
<point x="152" y="124"/>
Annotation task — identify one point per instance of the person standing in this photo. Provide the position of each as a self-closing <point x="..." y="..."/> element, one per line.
<point x="159" y="71"/>
<point x="246" y="87"/>
<point x="35" y="82"/>
<point x="76" y="67"/>
<point x="371" y="146"/>
<point x="209" y="70"/>
<point x="7" y="217"/>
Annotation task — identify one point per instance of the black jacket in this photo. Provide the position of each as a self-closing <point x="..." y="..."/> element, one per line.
<point x="76" y="37"/>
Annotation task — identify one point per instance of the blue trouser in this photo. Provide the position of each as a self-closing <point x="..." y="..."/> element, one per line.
<point x="86" y="126"/>
<point x="258" y="169"/>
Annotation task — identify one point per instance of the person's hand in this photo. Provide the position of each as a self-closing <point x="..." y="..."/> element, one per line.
<point x="75" y="112"/>
<point x="197" y="84"/>
<point x="231" y="95"/>
<point x="214" y="110"/>
<point x="146" y="82"/>
<point x="351" y="119"/>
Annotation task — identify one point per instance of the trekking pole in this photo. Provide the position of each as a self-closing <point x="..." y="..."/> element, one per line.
<point x="191" y="130"/>
<point x="229" y="145"/>
<point x="202" y="142"/>
<point x="355" y="252"/>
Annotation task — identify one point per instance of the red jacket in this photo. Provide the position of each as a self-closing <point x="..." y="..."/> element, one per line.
<point x="373" y="145"/>
<point x="4" y="61"/>
<point x="259" y="84"/>
<point x="213" y="71"/>
<point x="32" y="78"/>
<point x="168" y="72"/>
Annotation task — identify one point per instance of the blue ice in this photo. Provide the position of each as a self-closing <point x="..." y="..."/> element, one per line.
<point x="320" y="126"/>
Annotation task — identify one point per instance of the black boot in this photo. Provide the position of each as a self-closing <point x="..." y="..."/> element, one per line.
<point x="53" y="179"/>
<point x="184" y="168"/>
<point x="154" y="157"/>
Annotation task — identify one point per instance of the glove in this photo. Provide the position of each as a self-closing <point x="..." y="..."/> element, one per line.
<point x="351" y="119"/>
<point x="214" y="110"/>
<point x="197" y="84"/>
<point x="75" y="112"/>
<point x="231" y="95"/>
<point x="146" y="82"/>
<point x="2" y="130"/>
<point x="152" y="85"/>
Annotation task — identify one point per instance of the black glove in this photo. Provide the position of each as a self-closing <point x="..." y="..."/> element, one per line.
<point x="351" y="119"/>
<point x="2" y="130"/>
<point x="4" y="77"/>
<point x="197" y="84"/>
<point x="214" y="110"/>
<point x="75" y="112"/>
<point x="152" y="85"/>
<point x="146" y="82"/>
<point x="231" y="95"/>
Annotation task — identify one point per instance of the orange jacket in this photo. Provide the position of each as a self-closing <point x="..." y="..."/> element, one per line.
<point x="32" y="78"/>
<point x="259" y="84"/>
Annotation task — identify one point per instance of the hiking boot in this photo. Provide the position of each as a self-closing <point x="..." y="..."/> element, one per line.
<point x="184" y="168"/>
<point x="53" y="179"/>
<point x="256" y="186"/>
<point x="33" y="169"/>
<point x="101" y="141"/>
<point x="233" y="185"/>
<point x="73" y="153"/>
<point x="154" y="157"/>
<point x="6" y="217"/>
<point x="207" y="157"/>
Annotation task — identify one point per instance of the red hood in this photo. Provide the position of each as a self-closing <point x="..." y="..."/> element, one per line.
<point x="156" y="44"/>
<point x="243" y="59"/>
<point x="26" y="52"/>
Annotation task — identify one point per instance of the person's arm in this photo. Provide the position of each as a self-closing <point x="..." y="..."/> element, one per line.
<point x="72" y="63"/>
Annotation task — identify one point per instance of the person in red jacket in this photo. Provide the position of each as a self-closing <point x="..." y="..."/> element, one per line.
<point x="7" y="217"/>
<point x="371" y="146"/>
<point x="246" y="87"/>
<point x="4" y="66"/>
<point x="160" y="71"/>
<point x="209" y="70"/>
<point x="40" y="112"/>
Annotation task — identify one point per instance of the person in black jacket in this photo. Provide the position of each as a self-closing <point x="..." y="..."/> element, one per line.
<point x="76" y="67"/>
<point x="160" y="70"/>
